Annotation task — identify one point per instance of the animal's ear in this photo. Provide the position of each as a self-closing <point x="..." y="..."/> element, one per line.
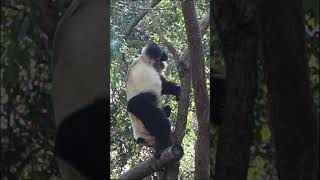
<point x="153" y="51"/>
<point x="164" y="57"/>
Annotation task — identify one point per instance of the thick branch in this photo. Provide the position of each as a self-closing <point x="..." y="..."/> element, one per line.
<point x="202" y="160"/>
<point x="236" y="27"/>
<point x="204" y="24"/>
<point x="185" y="80"/>
<point x="138" y="18"/>
<point x="294" y="120"/>
<point x="183" y="71"/>
<point x="147" y="167"/>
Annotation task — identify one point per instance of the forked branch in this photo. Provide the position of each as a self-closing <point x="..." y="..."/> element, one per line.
<point x="149" y="166"/>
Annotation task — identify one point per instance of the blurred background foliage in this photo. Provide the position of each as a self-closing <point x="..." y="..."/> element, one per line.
<point x="262" y="160"/>
<point x="27" y="126"/>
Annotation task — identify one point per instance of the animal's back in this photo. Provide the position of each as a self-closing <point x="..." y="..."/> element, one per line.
<point x="143" y="78"/>
<point x="80" y="58"/>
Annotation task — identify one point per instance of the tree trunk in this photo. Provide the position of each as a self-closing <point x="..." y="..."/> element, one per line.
<point x="293" y="115"/>
<point x="202" y="149"/>
<point x="183" y="66"/>
<point x="236" y="26"/>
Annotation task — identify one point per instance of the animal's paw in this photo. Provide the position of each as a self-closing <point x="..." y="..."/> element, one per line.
<point x="178" y="93"/>
<point x="167" y="109"/>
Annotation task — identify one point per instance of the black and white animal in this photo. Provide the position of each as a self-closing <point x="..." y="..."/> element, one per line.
<point x="79" y="91"/>
<point x="145" y="85"/>
<point x="218" y="97"/>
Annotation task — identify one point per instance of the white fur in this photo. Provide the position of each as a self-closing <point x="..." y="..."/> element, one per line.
<point x="142" y="77"/>
<point x="79" y="64"/>
<point x="79" y="74"/>
<point x="68" y="172"/>
<point x="140" y="131"/>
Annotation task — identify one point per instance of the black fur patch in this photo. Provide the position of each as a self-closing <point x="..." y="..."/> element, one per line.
<point x="164" y="57"/>
<point x="81" y="140"/>
<point x="144" y="107"/>
<point x="170" y="88"/>
<point x="153" y="51"/>
<point x="167" y="109"/>
<point x="218" y="100"/>
<point x="140" y="140"/>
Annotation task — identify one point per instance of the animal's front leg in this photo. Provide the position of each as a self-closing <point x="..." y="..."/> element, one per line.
<point x="170" y="88"/>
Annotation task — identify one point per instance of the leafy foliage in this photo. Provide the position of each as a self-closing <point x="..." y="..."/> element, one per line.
<point x="27" y="126"/>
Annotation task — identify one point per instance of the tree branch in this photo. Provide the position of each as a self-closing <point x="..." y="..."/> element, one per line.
<point x="202" y="150"/>
<point x="138" y="18"/>
<point x="235" y="23"/>
<point x="182" y="64"/>
<point x="149" y="166"/>
<point x="185" y="79"/>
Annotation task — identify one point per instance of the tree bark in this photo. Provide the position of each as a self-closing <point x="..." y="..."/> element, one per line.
<point x="236" y="26"/>
<point x="293" y="115"/>
<point x="202" y="149"/>
<point x="183" y="65"/>
<point x="147" y="167"/>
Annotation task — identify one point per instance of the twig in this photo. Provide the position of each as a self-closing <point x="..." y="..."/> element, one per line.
<point x="138" y="18"/>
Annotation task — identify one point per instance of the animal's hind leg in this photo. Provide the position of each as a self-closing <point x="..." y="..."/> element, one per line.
<point x="145" y="107"/>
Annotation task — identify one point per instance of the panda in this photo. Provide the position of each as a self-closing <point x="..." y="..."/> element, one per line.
<point x="218" y="96"/>
<point x="79" y="91"/>
<point x="145" y="85"/>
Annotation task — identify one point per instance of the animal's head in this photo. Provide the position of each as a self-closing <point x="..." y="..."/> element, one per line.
<point x="153" y="52"/>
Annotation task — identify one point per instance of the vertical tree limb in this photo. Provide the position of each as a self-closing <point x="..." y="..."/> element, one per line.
<point x="145" y="168"/>
<point x="202" y="159"/>
<point x="236" y="26"/>
<point x="182" y="63"/>
<point x="293" y="116"/>
<point x="138" y="18"/>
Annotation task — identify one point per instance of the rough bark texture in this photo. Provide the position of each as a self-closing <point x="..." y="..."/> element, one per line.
<point x="185" y="83"/>
<point x="293" y="117"/>
<point x="202" y="149"/>
<point x="183" y="106"/>
<point x="145" y="168"/>
<point x="185" y="79"/>
<point x="183" y="66"/>
<point x="236" y="26"/>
